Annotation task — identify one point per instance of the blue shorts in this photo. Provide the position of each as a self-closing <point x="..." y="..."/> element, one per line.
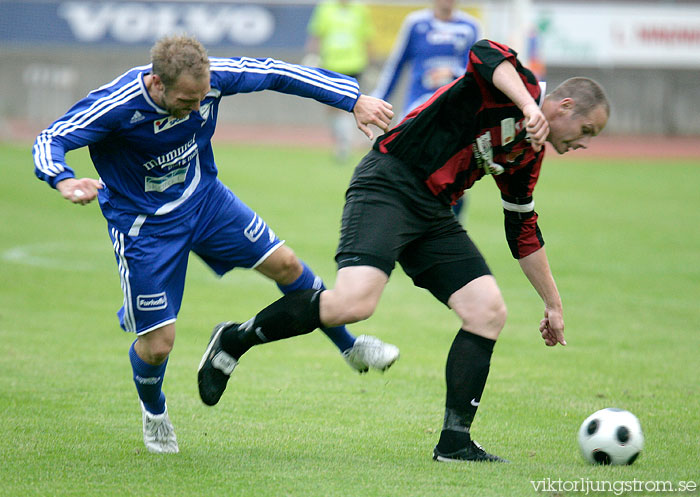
<point x="224" y="232"/>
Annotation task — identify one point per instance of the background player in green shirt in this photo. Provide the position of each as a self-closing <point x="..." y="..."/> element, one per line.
<point x="339" y="40"/>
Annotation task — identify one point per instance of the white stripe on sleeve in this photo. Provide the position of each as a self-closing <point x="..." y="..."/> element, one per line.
<point x="529" y="207"/>
<point x="80" y="120"/>
<point x="303" y="74"/>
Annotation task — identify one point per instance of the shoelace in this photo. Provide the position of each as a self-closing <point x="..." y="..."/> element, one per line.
<point x="374" y="352"/>
<point x="158" y="428"/>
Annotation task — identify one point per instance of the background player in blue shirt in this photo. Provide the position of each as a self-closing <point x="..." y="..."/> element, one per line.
<point x="435" y="44"/>
<point x="149" y="134"/>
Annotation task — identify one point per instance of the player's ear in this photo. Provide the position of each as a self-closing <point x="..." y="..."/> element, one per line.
<point x="157" y="82"/>
<point x="566" y="105"/>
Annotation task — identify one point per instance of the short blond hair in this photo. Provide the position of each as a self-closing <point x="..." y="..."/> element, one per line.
<point x="173" y="55"/>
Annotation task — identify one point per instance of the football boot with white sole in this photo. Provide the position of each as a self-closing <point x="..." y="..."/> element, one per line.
<point x="158" y="432"/>
<point x="370" y="352"/>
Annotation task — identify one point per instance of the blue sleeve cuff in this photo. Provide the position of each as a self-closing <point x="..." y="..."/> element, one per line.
<point x="68" y="173"/>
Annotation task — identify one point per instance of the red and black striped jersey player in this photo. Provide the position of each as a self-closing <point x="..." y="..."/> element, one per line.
<point x="493" y="121"/>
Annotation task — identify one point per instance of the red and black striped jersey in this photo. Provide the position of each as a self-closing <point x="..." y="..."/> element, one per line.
<point x="469" y="129"/>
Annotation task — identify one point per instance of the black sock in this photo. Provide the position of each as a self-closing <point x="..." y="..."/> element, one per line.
<point x="294" y="314"/>
<point x="466" y="371"/>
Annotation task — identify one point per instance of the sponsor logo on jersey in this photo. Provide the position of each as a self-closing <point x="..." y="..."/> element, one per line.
<point x="167" y="123"/>
<point x="137" y="117"/>
<point x="152" y="302"/>
<point x="255" y="229"/>
<point x="176" y="157"/>
<point x="162" y="183"/>
<point x="483" y="153"/>
<point x="483" y="147"/>
<point x="514" y="155"/>
<point x="507" y="131"/>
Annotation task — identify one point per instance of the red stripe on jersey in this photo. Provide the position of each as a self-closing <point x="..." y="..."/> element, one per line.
<point x="505" y="51"/>
<point x="444" y="176"/>
<point x="528" y="241"/>
<point x="386" y="141"/>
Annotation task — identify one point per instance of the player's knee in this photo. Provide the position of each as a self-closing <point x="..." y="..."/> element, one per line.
<point x="498" y="313"/>
<point x="156" y="348"/>
<point x="291" y="269"/>
<point x="488" y="319"/>
<point x="493" y="316"/>
<point x="287" y="267"/>
<point x="338" y="310"/>
<point x="159" y="351"/>
<point x="358" y="313"/>
<point x="359" y="310"/>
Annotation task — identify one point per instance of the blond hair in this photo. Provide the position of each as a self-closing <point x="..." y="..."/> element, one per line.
<point x="174" y="55"/>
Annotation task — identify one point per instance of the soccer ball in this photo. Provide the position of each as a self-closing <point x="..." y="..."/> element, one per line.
<point x="611" y="436"/>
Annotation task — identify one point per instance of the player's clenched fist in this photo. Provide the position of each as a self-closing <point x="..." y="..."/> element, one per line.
<point x="79" y="191"/>
<point x="537" y="126"/>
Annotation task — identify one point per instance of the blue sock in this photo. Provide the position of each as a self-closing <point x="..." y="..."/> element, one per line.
<point x="148" y="380"/>
<point x="339" y="335"/>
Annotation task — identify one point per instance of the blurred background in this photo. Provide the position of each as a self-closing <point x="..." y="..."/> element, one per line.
<point x="646" y="54"/>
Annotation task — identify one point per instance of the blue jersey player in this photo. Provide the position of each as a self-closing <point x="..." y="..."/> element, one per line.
<point x="435" y="44"/>
<point x="149" y="134"/>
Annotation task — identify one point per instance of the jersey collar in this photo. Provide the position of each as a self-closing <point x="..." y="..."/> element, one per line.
<point x="543" y="92"/>
<point x="147" y="96"/>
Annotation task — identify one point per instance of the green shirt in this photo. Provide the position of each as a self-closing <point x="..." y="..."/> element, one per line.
<point x="344" y="31"/>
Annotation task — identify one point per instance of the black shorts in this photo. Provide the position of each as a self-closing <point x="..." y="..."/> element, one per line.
<point x="390" y="215"/>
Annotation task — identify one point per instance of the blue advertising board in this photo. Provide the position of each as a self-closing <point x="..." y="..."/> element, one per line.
<point x="105" y="24"/>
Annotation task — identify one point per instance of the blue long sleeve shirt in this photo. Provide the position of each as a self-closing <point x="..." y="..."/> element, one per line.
<point x="156" y="168"/>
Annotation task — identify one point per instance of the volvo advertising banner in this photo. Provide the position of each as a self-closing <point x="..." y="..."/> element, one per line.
<point x="216" y="24"/>
<point x="622" y="34"/>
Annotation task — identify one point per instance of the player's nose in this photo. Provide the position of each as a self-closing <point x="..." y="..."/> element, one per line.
<point x="582" y="143"/>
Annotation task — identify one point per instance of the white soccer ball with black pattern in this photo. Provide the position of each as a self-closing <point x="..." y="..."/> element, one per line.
<point x="611" y="436"/>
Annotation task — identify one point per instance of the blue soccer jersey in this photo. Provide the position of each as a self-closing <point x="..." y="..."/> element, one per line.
<point x="438" y="52"/>
<point x="157" y="168"/>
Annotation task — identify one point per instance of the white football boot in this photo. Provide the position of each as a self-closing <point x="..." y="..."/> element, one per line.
<point x="158" y="432"/>
<point x="371" y="352"/>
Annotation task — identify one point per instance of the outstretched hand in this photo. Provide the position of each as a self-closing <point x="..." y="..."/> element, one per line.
<point x="537" y="126"/>
<point x="79" y="191"/>
<point x="370" y="110"/>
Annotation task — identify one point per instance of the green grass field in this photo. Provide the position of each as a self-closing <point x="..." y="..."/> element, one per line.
<point x="624" y="244"/>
